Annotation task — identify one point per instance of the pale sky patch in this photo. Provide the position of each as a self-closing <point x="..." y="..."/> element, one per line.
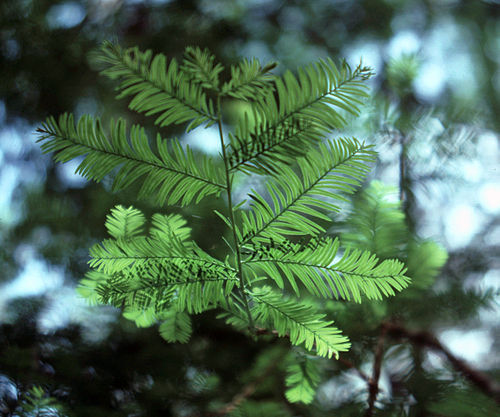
<point x="471" y="345"/>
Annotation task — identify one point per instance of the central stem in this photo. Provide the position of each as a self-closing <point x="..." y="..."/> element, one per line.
<point x="251" y="324"/>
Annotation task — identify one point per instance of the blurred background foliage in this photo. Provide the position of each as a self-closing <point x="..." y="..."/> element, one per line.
<point x="434" y="120"/>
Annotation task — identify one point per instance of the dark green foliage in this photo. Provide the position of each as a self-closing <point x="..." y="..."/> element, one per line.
<point x="463" y="401"/>
<point x="176" y="326"/>
<point x="298" y="320"/>
<point x="257" y="409"/>
<point x="326" y="175"/>
<point x="249" y="81"/>
<point x="37" y="402"/>
<point x="377" y="223"/>
<point x="199" y="66"/>
<point x="44" y="71"/>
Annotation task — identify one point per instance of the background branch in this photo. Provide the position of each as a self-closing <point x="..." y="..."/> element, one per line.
<point x="373" y="388"/>
<point x="427" y="339"/>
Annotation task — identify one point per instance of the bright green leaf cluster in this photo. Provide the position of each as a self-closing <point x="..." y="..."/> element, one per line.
<point x="280" y="249"/>
<point x="158" y="88"/>
<point x="298" y="320"/>
<point x="170" y="175"/>
<point x="303" y="377"/>
<point x="320" y="272"/>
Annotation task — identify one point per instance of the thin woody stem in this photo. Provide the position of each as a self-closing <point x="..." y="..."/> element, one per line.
<point x="242" y="292"/>
<point x="373" y="388"/>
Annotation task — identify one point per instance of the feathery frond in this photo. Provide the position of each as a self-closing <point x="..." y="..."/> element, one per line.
<point x="376" y="222"/>
<point x="141" y="317"/>
<point x="303" y="111"/>
<point x="250" y="81"/>
<point x="425" y="260"/>
<point x="298" y="320"/>
<point x="157" y="88"/>
<point x="190" y="285"/>
<point x="355" y="274"/>
<point x="264" y="151"/>
<point x="167" y="242"/>
<point x="162" y="276"/>
<point x="125" y="222"/>
<point x="87" y="287"/>
<point x="200" y="66"/>
<point x="156" y="270"/>
<point x="327" y="173"/>
<point x="176" y="327"/>
<point x="173" y="176"/>
<point x="318" y="93"/>
<point x="302" y="378"/>
<point x="170" y="227"/>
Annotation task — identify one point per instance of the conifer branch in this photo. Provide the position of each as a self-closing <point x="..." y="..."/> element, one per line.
<point x="299" y="321"/>
<point x="332" y="170"/>
<point x="322" y="83"/>
<point x="315" y="265"/>
<point x="156" y="87"/>
<point x="163" y="274"/>
<point x="172" y="175"/>
<point x="265" y="153"/>
<point x="249" y="81"/>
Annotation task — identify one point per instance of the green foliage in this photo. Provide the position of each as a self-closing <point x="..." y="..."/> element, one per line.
<point x="200" y="67"/>
<point x="325" y="175"/>
<point x="258" y="409"/>
<point x="301" y="112"/>
<point x="158" y="87"/>
<point x="176" y="327"/>
<point x="401" y="72"/>
<point x="463" y="401"/>
<point x="299" y="320"/>
<point x="303" y="377"/>
<point x="355" y="274"/>
<point x="425" y="260"/>
<point x="159" y="270"/>
<point x="161" y="274"/>
<point x="377" y="224"/>
<point x="249" y="81"/>
<point x="125" y="222"/>
<point x="37" y="403"/>
<point x="173" y="176"/>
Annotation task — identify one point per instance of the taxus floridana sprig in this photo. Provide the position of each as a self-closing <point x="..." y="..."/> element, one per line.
<point x="282" y="264"/>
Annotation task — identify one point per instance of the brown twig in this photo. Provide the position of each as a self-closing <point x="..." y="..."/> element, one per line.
<point x="350" y="365"/>
<point x="373" y="388"/>
<point x="241" y="396"/>
<point x="245" y="392"/>
<point x="424" y="338"/>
